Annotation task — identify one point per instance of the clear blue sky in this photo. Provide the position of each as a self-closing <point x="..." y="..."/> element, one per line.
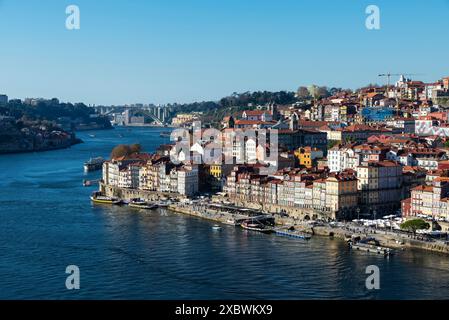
<point x="187" y="50"/>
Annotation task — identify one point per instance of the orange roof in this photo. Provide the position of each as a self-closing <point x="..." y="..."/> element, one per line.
<point x="256" y="112"/>
<point x="423" y="188"/>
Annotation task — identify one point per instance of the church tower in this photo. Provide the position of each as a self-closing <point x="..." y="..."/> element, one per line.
<point x="293" y="122"/>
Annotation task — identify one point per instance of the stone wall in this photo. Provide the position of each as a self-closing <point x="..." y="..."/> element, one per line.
<point x="128" y="194"/>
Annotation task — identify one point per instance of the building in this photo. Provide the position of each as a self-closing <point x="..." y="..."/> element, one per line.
<point x="184" y="118"/>
<point x="187" y="180"/>
<point x="3" y="99"/>
<point x="379" y="185"/>
<point x="294" y="139"/>
<point x="431" y="200"/>
<point x="341" y="193"/>
<point x="307" y="156"/>
<point x="257" y="115"/>
<point x="344" y="157"/>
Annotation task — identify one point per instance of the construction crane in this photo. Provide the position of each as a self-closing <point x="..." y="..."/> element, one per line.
<point x="388" y="75"/>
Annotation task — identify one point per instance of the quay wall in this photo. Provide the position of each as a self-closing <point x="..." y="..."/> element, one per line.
<point x="128" y="194"/>
<point x="295" y="218"/>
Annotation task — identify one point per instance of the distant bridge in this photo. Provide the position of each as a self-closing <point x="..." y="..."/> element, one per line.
<point x="158" y="114"/>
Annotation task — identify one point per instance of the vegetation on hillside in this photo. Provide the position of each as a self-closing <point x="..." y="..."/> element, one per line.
<point x="51" y="110"/>
<point x="124" y="150"/>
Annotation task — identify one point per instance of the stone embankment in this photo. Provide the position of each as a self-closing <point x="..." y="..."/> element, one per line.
<point x="388" y="239"/>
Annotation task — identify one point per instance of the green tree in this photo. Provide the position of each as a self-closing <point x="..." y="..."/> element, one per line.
<point x="135" y="148"/>
<point x="302" y="93"/>
<point x="124" y="150"/>
<point x="446" y="144"/>
<point x="415" y="224"/>
<point x="332" y="143"/>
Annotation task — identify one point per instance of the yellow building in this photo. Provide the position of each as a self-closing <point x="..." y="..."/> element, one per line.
<point x="184" y="118"/>
<point x="217" y="173"/>
<point x="306" y="156"/>
<point x="341" y="192"/>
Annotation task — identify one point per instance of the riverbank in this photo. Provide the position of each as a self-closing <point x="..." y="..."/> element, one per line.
<point x="386" y="239"/>
<point x="28" y="148"/>
<point x="204" y="210"/>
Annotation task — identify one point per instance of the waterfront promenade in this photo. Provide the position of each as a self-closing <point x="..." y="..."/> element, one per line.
<point x="390" y="239"/>
<point x="216" y="211"/>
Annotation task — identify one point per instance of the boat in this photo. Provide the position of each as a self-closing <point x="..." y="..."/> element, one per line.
<point x="88" y="183"/>
<point x="232" y="222"/>
<point x="255" y="225"/>
<point x="292" y="233"/>
<point x="94" y="164"/>
<point x="165" y="134"/>
<point x="141" y="204"/>
<point x="163" y="204"/>
<point x="216" y="227"/>
<point x="92" y="135"/>
<point x="97" y="197"/>
<point x="370" y="245"/>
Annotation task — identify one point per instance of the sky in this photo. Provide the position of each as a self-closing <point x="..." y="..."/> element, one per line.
<point x="165" y="51"/>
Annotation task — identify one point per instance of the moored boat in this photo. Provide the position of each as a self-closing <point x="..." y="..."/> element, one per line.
<point x="94" y="164"/>
<point x="255" y="225"/>
<point x="165" y="134"/>
<point x="88" y="183"/>
<point x="141" y="204"/>
<point x="97" y="197"/>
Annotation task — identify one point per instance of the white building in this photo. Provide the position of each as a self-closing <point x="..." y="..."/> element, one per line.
<point x="187" y="180"/>
<point x="339" y="159"/>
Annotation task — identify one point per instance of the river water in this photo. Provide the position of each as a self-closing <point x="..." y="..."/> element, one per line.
<point x="47" y="222"/>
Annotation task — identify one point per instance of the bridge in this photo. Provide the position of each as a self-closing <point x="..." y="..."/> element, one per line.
<point x="158" y="114"/>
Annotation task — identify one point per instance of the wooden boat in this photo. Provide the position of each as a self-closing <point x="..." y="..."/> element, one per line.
<point x="97" y="197"/>
<point x="255" y="225"/>
<point x="140" y="204"/>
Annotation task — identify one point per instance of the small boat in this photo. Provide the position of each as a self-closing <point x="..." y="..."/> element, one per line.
<point x="163" y="204"/>
<point x="232" y="222"/>
<point x="88" y="183"/>
<point x="165" y="134"/>
<point x="293" y="234"/>
<point x="255" y="225"/>
<point x="94" y="164"/>
<point x="370" y="245"/>
<point x="97" y="197"/>
<point x="216" y="227"/>
<point x="140" y="204"/>
<point x="92" y="136"/>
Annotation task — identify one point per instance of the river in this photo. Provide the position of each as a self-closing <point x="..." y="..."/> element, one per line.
<point x="47" y="222"/>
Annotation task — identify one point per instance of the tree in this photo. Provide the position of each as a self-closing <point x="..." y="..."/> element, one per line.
<point x="323" y="92"/>
<point x="135" y="148"/>
<point x="415" y="224"/>
<point x="446" y="143"/>
<point x="332" y="143"/>
<point x="318" y="92"/>
<point x="124" y="150"/>
<point x="302" y="92"/>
